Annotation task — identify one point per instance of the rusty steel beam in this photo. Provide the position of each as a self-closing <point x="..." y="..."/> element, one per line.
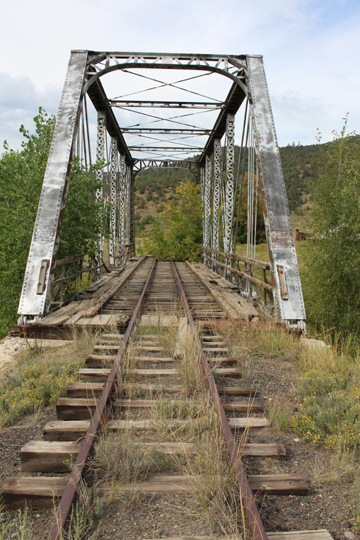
<point x="97" y="421"/>
<point x="252" y="513"/>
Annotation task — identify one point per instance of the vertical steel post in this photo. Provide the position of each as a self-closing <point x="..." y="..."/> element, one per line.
<point x="207" y="211"/>
<point x="113" y="193"/>
<point x="46" y="235"/>
<point x="202" y="180"/>
<point x="129" y="206"/>
<point x="122" y="192"/>
<point x="216" y="193"/>
<point x="132" y="213"/>
<point x="230" y="155"/>
<point x="100" y="153"/>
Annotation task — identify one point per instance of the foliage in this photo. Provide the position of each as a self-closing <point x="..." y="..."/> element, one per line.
<point x="329" y="411"/>
<point x="332" y="279"/>
<point x="37" y="386"/>
<point x="39" y="376"/>
<point x="299" y="165"/>
<point x="177" y="232"/>
<point x="83" y="213"/>
<point x="21" y="176"/>
<point x="355" y="505"/>
<point x="328" y="396"/>
<point x="17" y="525"/>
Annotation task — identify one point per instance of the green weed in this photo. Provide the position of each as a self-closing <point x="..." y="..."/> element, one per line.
<point x="40" y="377"/>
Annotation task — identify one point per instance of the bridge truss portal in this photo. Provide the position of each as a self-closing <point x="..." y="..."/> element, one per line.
<point x="133" y="133"/>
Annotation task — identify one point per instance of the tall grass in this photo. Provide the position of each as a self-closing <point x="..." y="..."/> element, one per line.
<point x="265" y="340"/>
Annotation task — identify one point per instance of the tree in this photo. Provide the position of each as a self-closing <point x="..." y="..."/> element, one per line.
<point x="21" y="176"/>
<point x="177" y="232"/>
<point x="332" y="279"/>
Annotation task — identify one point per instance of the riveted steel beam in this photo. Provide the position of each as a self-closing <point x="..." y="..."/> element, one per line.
<point x="216" y="193"/>
<point x="46" y="235"/>
<point x="231" y="105"/>
<point x="100" y="101"/>
<point x="113" y="198"/>
<point x="166" y="104"/>
<point x="187" y="149"/>
<point x="164" y="131"/>
<point x="281" y="247"/>
<point x="207" y="210"/>
<point x="233" y="67"/>
<point x="100" y="155"/>
<point x="122" y="202"/>
<point x="229" y="205"/>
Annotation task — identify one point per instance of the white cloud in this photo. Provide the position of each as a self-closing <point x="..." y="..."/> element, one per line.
<point x="19" y="103"/>
<point x="310" y="48"/>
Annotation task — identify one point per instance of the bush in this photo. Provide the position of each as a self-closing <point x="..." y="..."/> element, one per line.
<point x="329" y="413"/>
<point x="332" y="278"/>
<point x="177" y="232"/>
<point x="39" y="378"/>
<point x="21" y="177"/>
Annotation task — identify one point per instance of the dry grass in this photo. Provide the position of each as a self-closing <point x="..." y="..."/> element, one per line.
<point x="122" y="461"/>
<point x="213" y="484"/>
<point x="343" y="464"/>
<point x="279" y="415"/>
<point x="265" y="340"/>
<point x="16" y="525"/>
<point x="190" y="369"/>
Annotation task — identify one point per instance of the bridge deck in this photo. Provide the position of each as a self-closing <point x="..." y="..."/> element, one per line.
<point x="108" y="302"/>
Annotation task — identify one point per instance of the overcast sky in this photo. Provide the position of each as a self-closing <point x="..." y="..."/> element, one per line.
<point x="310" y="48"/>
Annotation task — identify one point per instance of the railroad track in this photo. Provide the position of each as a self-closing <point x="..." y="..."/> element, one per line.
<point x="156" y="294"/>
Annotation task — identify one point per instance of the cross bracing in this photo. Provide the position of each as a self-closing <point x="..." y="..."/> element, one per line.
<point x="170" y="110"/>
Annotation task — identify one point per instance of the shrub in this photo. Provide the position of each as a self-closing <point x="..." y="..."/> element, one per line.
<point x="332" y="279"/>
<point x="329" y="411"/>
<point x="177" y="231"/>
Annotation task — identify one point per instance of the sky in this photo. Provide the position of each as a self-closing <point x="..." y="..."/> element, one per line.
<point x="310" y="48"/>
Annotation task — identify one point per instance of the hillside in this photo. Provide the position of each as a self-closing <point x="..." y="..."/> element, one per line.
<point x="155" y="186"/>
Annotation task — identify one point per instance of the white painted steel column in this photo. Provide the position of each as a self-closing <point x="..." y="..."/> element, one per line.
<point x="207" y="211"/>
<point x="216" y="193"/>
<point x="122" y="193"/>
<point x="113" y="197"/>
<point x="230" y="156"/>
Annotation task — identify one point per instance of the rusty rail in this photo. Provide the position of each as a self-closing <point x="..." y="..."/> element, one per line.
<point x="96" y="424"/>
<point x="253" y="517"/>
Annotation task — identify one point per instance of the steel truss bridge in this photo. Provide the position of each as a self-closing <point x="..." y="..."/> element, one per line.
<point x="135" y="133"/>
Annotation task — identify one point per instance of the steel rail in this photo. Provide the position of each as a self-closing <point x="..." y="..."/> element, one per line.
<point x="255" y="523"/>
<point x="96" y="425"/>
